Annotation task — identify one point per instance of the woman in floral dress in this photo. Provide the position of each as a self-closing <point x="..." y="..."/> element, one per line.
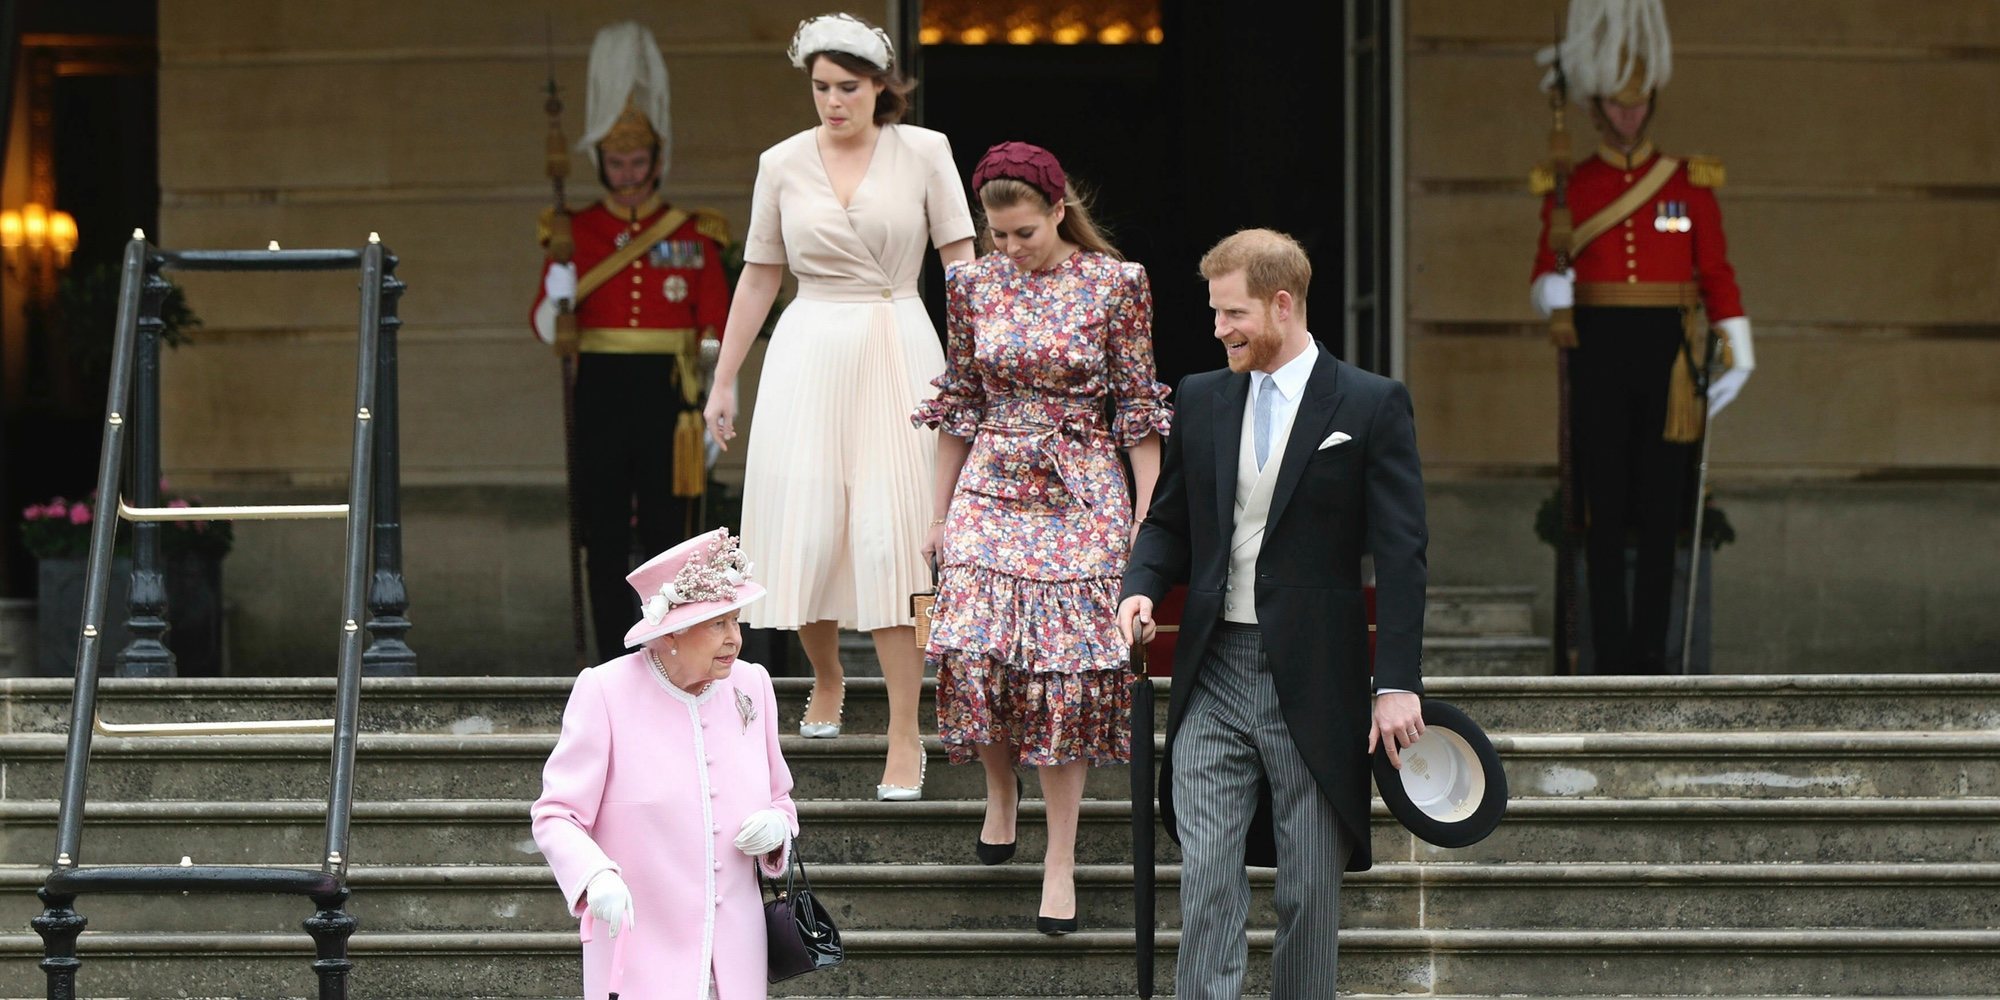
<point x="1048" y="372"/>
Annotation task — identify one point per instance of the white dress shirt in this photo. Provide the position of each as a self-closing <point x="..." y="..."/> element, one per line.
<point x="1290" y="381"/>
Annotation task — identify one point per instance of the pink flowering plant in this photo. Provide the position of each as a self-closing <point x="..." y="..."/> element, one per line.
<point x="61" y="529"/>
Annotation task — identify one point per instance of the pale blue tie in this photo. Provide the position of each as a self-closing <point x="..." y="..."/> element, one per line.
<point x="1267" y="404"/>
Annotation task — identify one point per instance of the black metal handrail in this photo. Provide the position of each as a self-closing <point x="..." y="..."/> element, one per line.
<point x="131" y="434"/>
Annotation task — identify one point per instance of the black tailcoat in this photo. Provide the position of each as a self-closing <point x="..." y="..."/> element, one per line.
<point x="1329" y="506"/>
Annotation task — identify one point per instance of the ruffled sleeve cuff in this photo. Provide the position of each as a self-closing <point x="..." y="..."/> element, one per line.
<point x="950" y="412"/>
<point x="1142" y="414"/>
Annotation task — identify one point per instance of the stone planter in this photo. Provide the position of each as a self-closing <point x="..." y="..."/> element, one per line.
<point x="1676" y="623"/>
<point x="17" y="637"/>
<point x="194" y="615"/>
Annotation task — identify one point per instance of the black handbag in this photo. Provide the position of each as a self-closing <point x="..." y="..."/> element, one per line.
<point x="799" y="936"/>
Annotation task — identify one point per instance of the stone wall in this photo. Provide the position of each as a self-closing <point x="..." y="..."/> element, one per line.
<point x="1863" y="192"/>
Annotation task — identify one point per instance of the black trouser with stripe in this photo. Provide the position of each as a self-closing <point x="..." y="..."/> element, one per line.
<point x="1634" y="483"/>
<point x="626" y="408"/>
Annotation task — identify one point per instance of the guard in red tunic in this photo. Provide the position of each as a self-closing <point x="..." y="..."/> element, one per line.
<point x="649" y="289"/>
<point x="1648" y="263"/>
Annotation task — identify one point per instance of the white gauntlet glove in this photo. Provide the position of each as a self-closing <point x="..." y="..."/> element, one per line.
<point x="763" y="831"/>
<point x="1743" y="358"/>
<point x="560" y="282"/>
<point x="1552" y="291"/>
<point x="608" y="900"/>
<point x="557" y="285"/>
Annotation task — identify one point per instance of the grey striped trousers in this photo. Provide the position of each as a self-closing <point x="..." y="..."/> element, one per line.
<point x="1233" y="734"/>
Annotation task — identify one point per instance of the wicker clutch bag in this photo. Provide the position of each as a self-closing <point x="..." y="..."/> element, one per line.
<point x="920" y="610"/>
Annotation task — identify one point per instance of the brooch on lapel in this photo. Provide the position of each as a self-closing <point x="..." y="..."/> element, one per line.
<point x="745" y="709"/>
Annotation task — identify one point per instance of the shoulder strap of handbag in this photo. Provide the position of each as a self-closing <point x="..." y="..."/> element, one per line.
<point x="1631" y="201"/>
<point x="625" y="255"/>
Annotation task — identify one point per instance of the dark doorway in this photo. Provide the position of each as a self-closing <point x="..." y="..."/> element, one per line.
<point x="86" y="77"/>
<point x="1233" y="120"/>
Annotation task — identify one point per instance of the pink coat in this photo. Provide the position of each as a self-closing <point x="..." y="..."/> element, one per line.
<point x="654" y="783"/>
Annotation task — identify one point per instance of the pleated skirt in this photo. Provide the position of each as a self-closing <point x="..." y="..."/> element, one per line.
<point x="837" y="483"/>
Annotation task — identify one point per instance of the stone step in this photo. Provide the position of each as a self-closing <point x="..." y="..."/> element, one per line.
<point x="1452" y="613"/>
<point x="483" y="899"/>
<point x="1487" y="656"/>
<point x="1093" y="963"/>
<point x="1527" y="704"/>
<point x="432" y="766"/>
<point x="1651" y="831"/>
<point x="1466" y="611"/>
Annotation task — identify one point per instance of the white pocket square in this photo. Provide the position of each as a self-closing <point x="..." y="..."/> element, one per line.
<point x="1337" y="437"/>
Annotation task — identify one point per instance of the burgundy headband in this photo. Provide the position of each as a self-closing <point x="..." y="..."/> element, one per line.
<point x="1031" y="165"/>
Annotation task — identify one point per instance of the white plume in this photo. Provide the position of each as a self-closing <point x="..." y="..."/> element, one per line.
<point x="1601" y="42"/>
<point x="625" y="61"/>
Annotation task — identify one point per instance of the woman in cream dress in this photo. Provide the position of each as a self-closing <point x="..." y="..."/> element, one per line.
<point x="836" y="490"/>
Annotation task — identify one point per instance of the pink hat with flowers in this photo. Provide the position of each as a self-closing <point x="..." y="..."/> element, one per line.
<point x="699" y="579"/>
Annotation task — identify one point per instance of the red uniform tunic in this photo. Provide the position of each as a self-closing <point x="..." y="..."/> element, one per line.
<point x="1634" y="250"/>
<point x="678" y="284"/>
<point x="636" y="380"/>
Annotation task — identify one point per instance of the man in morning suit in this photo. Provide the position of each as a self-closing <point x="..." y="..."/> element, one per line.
<point x="1281" y="472"/>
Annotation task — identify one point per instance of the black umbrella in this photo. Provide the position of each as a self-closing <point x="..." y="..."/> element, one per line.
<point x="1142" y="820"/>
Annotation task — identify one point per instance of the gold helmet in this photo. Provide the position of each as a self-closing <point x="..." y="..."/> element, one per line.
<point x="631" y="131"/>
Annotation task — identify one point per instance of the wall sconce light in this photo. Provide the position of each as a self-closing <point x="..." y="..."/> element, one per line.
<point x="36" y="241"/>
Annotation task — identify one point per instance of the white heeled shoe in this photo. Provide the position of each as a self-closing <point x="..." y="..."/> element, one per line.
<point x="824" y="730"/>
<point x="905" y="793"/>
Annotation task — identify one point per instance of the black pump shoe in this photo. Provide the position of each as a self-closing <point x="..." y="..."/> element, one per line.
<point x="999" y="854"/>
<point x="1055" y="926"/>
<point x="993" y="854"/>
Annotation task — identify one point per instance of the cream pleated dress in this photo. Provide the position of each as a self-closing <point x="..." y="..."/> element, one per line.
<point x="836" y="490"/>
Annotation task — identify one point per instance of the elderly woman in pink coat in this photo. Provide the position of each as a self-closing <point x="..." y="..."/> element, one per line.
<point x="667" y="787"/>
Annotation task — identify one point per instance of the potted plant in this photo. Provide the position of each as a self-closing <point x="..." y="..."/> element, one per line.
<point x="57" y="534"/>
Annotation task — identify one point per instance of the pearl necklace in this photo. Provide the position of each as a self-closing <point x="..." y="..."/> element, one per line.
<point x="665" y="676"/>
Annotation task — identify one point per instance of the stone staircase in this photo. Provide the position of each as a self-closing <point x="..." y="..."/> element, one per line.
<point x="1714" y="836"/>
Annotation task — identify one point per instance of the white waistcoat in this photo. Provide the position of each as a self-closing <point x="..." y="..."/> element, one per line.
<point x="1253" y="505"/>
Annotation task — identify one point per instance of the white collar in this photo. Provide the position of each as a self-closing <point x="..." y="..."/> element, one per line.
<point x="1291" y="377"/>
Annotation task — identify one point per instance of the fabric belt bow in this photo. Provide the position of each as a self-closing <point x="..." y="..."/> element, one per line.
<point x="1062" y="437"/>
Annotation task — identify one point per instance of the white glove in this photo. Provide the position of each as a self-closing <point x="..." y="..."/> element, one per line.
<point x="1743" y="360"/>
<point x="545" y="321"/>
<point x="608" y="900"/>
<point x="558" y="285"/>
<point x="763" y="831"/>
<point x="560" y="282"/>
<point x="1553" y="291"/>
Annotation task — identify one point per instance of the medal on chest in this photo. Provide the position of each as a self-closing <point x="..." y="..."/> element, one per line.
<point x="1671" y="217"/>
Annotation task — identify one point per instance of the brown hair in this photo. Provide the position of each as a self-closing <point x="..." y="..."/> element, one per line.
<point x="1271" y="262"/>
<point x="1076" y="227"/>
<point x="893" y="101"/>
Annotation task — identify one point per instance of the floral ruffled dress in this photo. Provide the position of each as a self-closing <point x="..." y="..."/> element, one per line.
<point x="1048" y="373"/>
